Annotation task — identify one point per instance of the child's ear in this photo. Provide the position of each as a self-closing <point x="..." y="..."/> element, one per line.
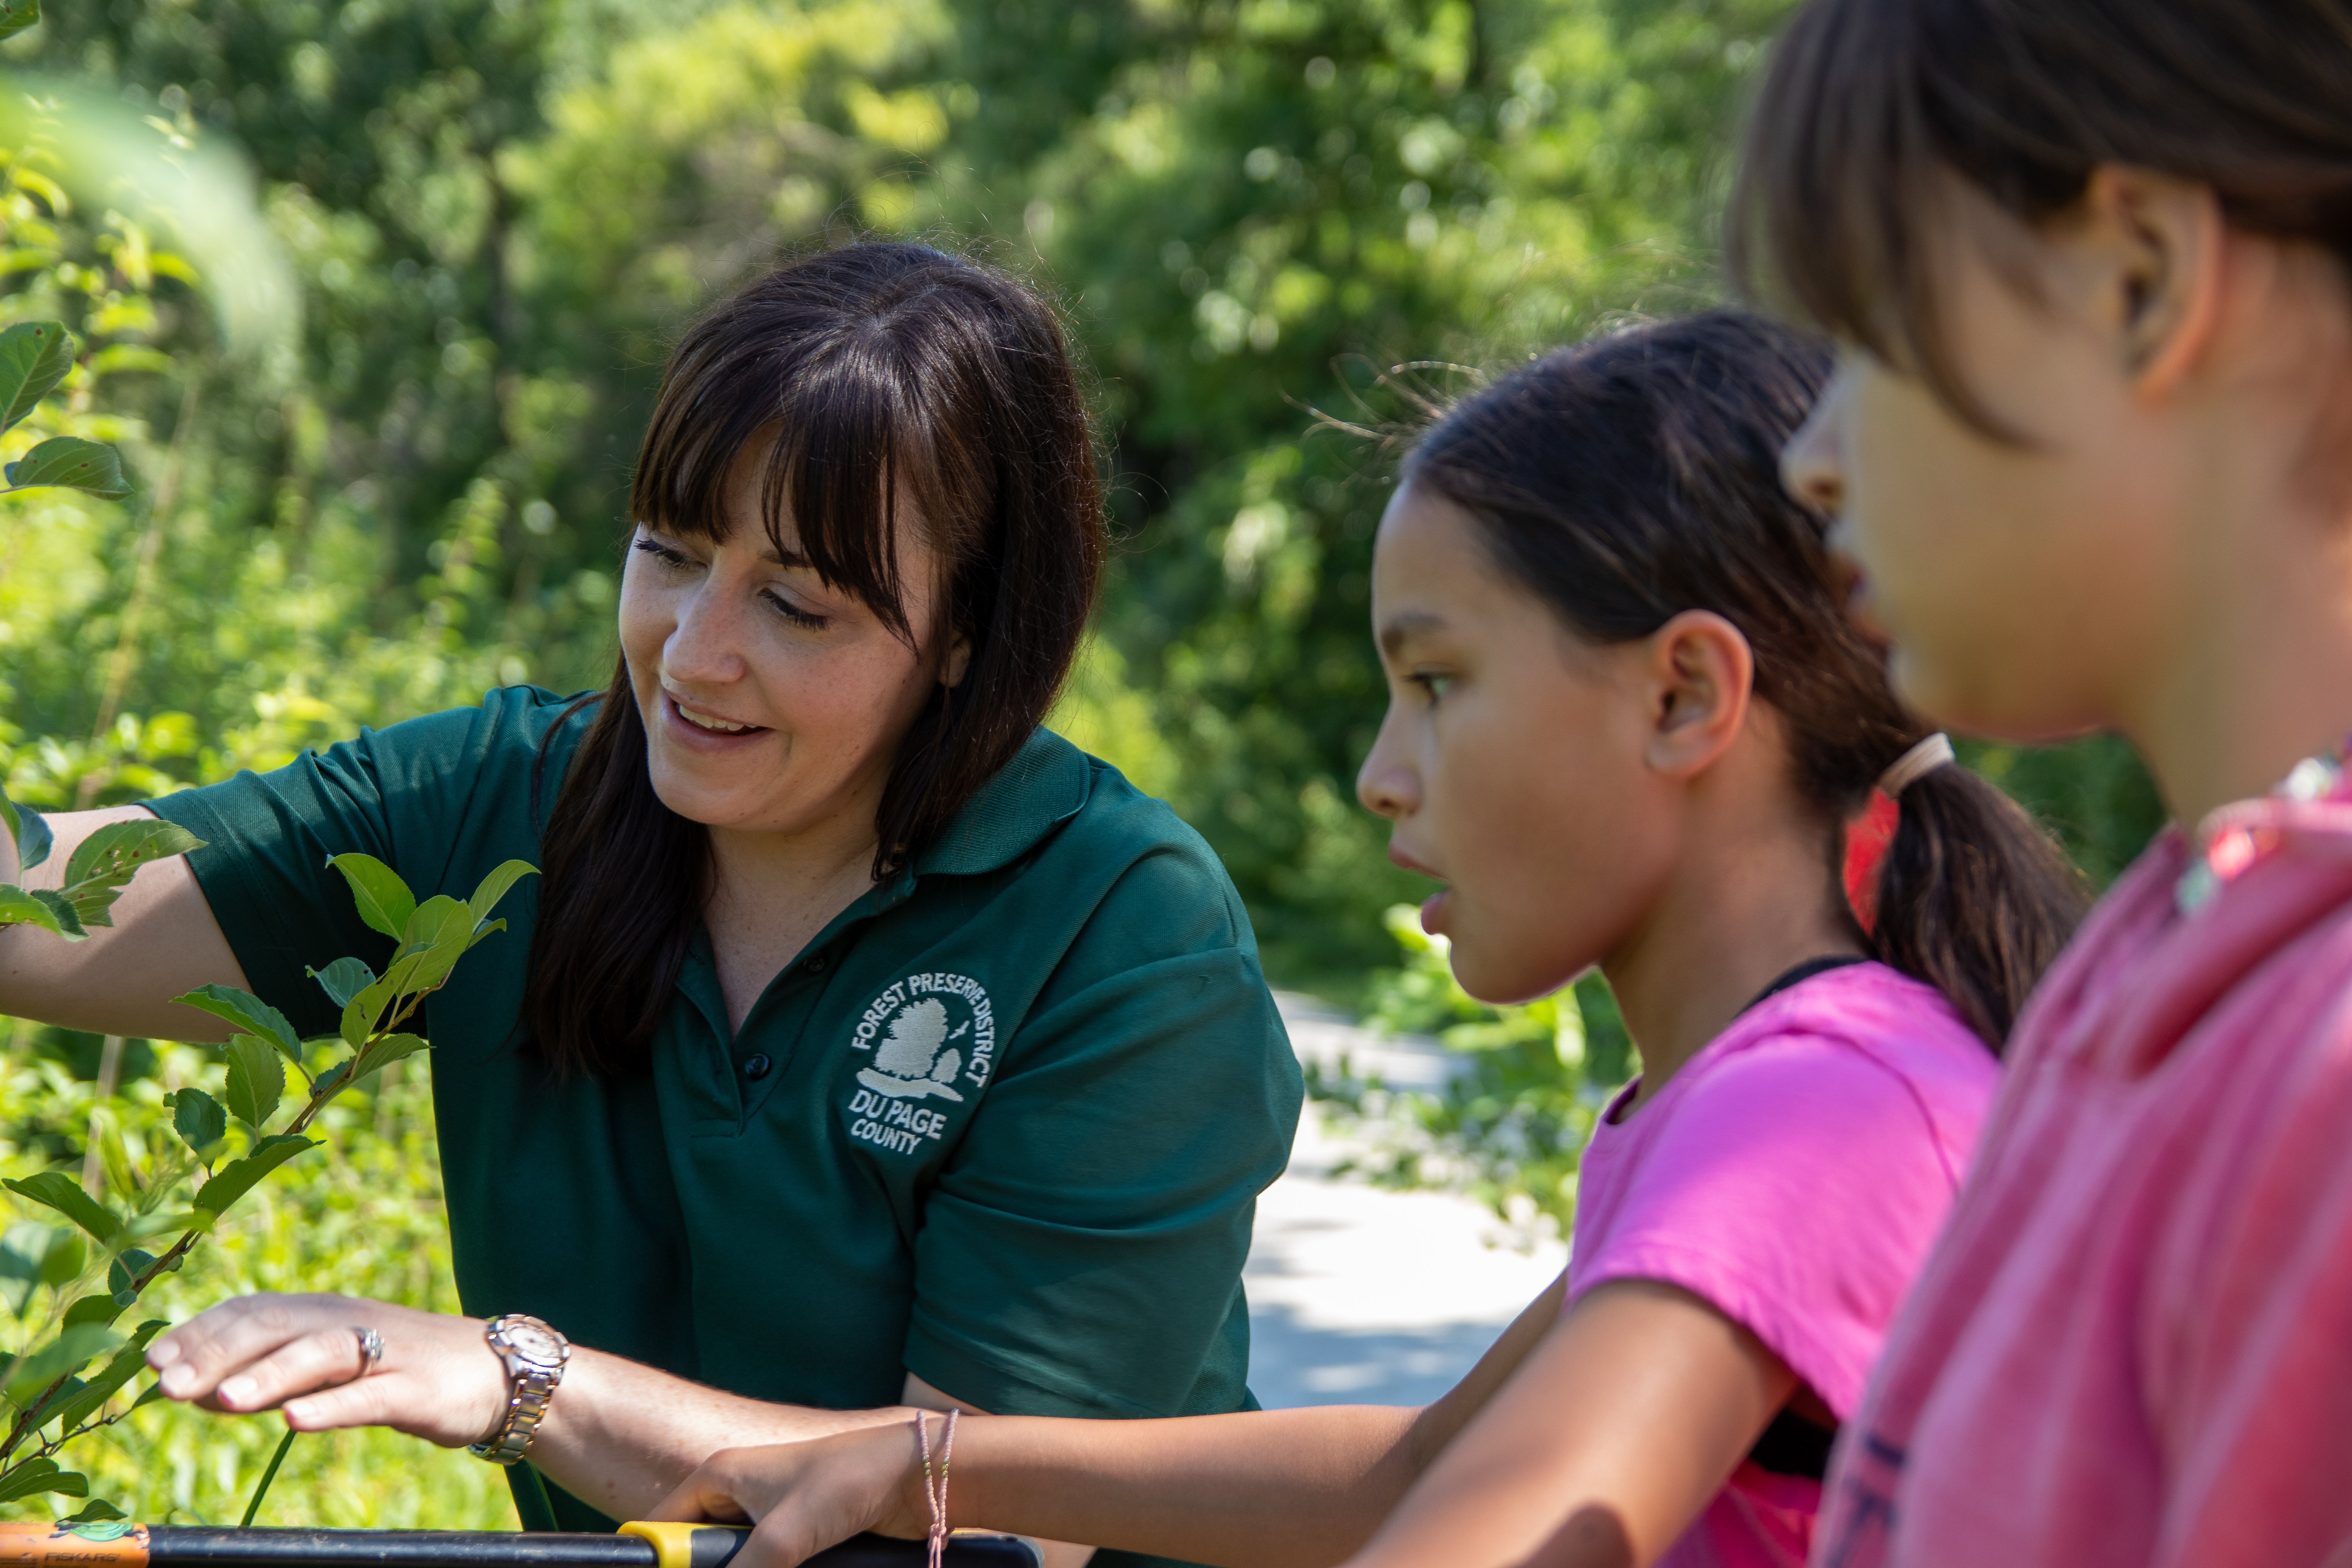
<point x="1701" y="673"/>
<point x="2155" y="246"/>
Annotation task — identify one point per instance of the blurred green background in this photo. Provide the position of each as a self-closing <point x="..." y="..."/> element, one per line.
<point x="378" y="313"/>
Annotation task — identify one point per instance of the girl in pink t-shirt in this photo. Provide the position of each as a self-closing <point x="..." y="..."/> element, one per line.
<point x="1630" y="726"/>
<point x="2091" y="266"/>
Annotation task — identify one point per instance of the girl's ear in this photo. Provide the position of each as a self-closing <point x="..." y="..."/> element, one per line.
<point x="1701" y="673"/>
<point x="2157" y="245"/>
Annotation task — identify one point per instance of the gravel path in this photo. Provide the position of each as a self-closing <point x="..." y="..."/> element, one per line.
<point x="1361" y="1296"/>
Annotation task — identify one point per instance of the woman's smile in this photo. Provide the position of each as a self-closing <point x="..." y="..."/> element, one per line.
<point x="699" y="727"/>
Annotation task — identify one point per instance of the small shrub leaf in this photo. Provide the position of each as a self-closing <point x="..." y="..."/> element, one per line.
<point x="385" y="900"/>
<point x="256" y="1080"/>
<point x="344" y="979"/>
<point x="493" y="886"/>
<point x="19" y="908"/>
<point x="16" y="15"/>
<point x="28" y="827"/>
<point x="199" y="1120"/>
<point x="247" y="1012"/>
<point x="35" y="356"/>
<point x="236" y="1178"/>
<point x="63" y="1194"/>
<point x="67" y="1353"/>
<point x="106" y="1381"/>
<point x="74" y="464"/>
<point x="62" y="910"/>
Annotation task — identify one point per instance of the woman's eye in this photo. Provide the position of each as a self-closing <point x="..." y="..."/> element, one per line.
<point x="808" y="619"/>
<point x="675" y="559"/>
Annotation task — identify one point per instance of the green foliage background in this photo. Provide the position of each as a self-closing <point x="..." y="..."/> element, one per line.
<point x="496" y="213"/>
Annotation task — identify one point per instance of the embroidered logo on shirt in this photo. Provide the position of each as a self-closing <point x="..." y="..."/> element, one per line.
<point x="927" y="1032"/>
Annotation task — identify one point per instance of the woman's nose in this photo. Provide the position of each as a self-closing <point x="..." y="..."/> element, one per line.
<point x="702" y="646"/>
<point x="1812" y="464"/>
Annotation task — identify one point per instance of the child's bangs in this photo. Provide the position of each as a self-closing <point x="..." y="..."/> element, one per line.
<point x="1833" y="215"/>
<point x="842" y="457"/>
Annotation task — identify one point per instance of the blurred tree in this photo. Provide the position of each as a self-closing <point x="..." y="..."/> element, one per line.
<point x="1252" y="210"/>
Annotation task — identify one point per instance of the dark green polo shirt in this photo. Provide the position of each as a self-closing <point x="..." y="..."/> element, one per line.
<point x="1003" y="1124"/>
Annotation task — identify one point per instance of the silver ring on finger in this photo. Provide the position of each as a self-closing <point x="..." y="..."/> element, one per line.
<point x="370" y="1351"/>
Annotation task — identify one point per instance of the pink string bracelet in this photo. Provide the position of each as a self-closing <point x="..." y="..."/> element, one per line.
<point x="936" y="1491"/>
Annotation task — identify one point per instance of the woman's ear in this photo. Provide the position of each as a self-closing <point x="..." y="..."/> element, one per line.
<point x="1701" y="673"/>
<point x="958" y="660"/>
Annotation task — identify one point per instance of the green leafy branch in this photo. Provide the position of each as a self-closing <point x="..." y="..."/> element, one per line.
<point x="35" y="357"/>
<point x="94" y="1268"/>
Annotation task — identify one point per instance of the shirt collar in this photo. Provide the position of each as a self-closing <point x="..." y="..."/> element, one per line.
<point x="1044" y="785"/>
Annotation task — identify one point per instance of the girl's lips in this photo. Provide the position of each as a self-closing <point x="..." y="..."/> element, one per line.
<point x="682" y="731"/>
<point x="1434" y="910"/>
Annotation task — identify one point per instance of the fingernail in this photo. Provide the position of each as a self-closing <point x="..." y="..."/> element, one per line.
<point x="236" y="1390"/>
<point x="162" y="1353"/>
<point x="178" y="1380"/>
<point x="295" y="1413"/>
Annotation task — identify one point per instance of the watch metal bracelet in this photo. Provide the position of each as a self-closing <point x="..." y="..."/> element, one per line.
<point x="526" y="1408"/>
<point x="534" y="1355"/>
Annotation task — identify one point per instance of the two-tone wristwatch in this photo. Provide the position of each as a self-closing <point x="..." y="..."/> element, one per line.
<point x="534" y="1354"/>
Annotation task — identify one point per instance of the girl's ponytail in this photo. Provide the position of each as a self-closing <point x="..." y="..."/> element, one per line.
<point x="1972" y="897"/>
<point x="1636" y="476"/>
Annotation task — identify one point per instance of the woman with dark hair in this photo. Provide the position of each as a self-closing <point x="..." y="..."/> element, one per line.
<point x="863" y="1042"/>
<point x="1629" y="725"/>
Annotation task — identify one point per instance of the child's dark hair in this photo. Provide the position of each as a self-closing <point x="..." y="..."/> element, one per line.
<point x="1868" y="102"/>
<point x="1637" y="475"/>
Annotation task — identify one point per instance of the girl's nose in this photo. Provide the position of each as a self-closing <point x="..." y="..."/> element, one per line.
<point x="1812" y="464"/>
<point x="1385" y="785"/>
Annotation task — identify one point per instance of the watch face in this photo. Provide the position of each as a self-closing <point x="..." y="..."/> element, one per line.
<point x="534" y="1343"/>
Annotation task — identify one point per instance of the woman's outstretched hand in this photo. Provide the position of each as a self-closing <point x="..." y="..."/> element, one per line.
<point x="438" y="1379"/>
<point x="804" y="1497"/>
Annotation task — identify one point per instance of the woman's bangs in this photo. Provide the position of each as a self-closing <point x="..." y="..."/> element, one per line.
<point x="832" y="432"/>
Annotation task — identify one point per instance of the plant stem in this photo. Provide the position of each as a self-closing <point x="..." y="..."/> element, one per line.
<point x="267" y="1476"/>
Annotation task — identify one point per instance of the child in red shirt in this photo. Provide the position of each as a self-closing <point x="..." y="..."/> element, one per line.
<point x="2091" y="266"/>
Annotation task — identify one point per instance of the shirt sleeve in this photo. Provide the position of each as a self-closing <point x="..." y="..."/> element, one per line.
<point x="1795" y="1189"/>
<point x="397" y="793"/>
<point x="1080" y="1254"/>
<point x="2248" y="1364"/>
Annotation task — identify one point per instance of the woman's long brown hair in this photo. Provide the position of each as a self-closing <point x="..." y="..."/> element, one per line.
<point x="873" y="383"/>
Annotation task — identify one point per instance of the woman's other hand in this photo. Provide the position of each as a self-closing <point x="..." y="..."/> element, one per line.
<point x="804" y="1497"/>
<point x="438" y="1379"/>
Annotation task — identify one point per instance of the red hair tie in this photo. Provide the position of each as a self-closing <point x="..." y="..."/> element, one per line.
<point x="1870" y="831"/>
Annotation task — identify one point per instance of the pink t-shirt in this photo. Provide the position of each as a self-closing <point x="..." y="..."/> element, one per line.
<point x="1792" y="1175"/>
<point x="2134" y="1346"/>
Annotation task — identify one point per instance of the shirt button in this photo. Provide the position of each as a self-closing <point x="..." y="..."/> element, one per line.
<point x="757" y="1068"/>
<point x="817" y="965"/>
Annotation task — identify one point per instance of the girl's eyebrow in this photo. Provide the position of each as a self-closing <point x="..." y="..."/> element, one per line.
<point x="1401" y="629"/>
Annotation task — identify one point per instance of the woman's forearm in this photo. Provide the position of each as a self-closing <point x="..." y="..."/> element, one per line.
<point x="1278" y="1488"/>
<point x="619" y="1435"/>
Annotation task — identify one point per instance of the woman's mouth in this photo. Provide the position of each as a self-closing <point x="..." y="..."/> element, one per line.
<point x="699" y="726"/>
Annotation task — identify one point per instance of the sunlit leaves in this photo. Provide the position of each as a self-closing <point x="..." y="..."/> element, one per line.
<point x="236" y="1178"/>
<point x="199" y="1120"/>
<point x="35" y="356"/>
<point x="73" y="463"/>
<point x="60" y="1191"/>
<point x="247" y="1012"/>
<point x="256" y="1080"/>
<point x="384" y="901"/>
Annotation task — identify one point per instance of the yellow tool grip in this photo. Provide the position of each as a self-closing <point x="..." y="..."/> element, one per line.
<point x="682" y="1545"/>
